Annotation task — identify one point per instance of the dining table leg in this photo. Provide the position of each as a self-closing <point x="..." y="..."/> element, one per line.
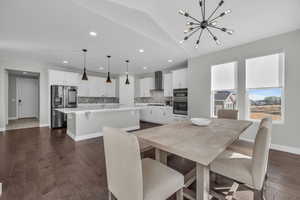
<point x="202" y="182"/>
<point x="161" y="156"/>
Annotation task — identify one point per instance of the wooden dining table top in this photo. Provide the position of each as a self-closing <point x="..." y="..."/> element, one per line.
<point x="201" y="144"/>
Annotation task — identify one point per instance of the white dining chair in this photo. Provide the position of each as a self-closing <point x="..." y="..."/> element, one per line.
<point x="250" y="171"/>
<point x="239" y="146"/>
<point x="246" y="147"/>
<point x="131" y="178"/>
<point x="227" y="114"/>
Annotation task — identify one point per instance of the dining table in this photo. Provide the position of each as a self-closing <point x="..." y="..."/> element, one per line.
<point x="201" y="144"/>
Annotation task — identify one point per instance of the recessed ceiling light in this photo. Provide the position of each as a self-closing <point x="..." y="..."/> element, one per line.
<point x="145" y="68"/>
<point x="101" y="68"/>
<point x="170" y="60"/>
<point x="65" y="62"/>
<point x="92" y="33"/>
<point x="24" y="73"/>
<point x="141" y="51"/>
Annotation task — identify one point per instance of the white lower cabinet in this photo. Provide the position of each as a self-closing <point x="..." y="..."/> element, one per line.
<point x="156" y="114"/>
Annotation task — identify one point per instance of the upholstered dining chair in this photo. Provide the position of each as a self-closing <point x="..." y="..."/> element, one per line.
<point x="239" y="146"/>
<point x="250" y="171"/>
<point x="227" y="114"/>
<point x="131" y="178"/>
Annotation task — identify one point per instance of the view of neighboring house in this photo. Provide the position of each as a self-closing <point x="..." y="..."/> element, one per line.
<point x="224" y="100"/>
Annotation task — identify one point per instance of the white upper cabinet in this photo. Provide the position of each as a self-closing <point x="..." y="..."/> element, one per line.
<point x="146" y="85"/>
<point x="168" y="86"/>
<point x="57" y="77"/>
<point x="94" y="87"/>
<point x="180" y="78"/>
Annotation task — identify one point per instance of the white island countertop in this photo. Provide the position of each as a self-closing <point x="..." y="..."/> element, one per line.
<point x="99" y="108"/>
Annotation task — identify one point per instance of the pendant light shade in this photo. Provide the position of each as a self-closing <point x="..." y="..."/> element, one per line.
<point x="127" y="80"/>
<point x="84" y="75"/>
<point x="108" y="80"/>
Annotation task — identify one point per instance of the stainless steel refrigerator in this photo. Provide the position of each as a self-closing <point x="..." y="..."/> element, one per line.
<point x="62" y="97"/>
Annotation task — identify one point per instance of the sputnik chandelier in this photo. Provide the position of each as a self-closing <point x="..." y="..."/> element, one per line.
<point x="206" y="23"/>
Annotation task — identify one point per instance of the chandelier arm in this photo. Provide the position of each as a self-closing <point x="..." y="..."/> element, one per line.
<point x="211" y="34"/>
<point x="191" y="34"/>
<point x="195" y="27"/>
<point x="204" y="1"/>
<point x="200" y="35"/>
<point x="194" y="19"/>
<point x="215" y="27"/>
<point x="212" y="14"/>
<point x="201" y="6"/>
<point x="219" y="16"/>
<point x="214" y="19"/>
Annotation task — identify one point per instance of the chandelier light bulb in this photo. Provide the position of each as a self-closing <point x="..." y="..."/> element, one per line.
<point x="230" y="32"/>
<point x="182" y="12"/>
<point x="214" y="23"/>
<point x="227" y="12"/>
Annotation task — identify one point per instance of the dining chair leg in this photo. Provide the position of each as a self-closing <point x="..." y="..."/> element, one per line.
<point x="179" y="194"/>
<point x="110" y="196"/>
<point x="258" y="195"/>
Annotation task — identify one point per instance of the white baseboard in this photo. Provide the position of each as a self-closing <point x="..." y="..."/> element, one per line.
<point x="95" y="135"/>
<point x="12" y="118"/>
<point x="2" y="129"/>
<point x="278" y="147"/>
<point x="44" y="125"/>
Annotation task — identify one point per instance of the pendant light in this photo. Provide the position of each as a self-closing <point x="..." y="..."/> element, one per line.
<point x="127" y="80"/>
<point x="84" y="76"/>
<point x="108" y="69"/>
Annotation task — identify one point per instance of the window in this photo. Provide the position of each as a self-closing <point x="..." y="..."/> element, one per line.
<point x="264" y="83"/>
<point x="223" y="87"/>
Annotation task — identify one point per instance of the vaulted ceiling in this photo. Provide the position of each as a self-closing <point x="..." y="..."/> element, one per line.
<point x="53" y="31"/>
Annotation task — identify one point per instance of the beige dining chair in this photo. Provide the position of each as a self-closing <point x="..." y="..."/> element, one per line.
<point x="239" y="146"/>
<point x="250" y="171"/>
<point x="227" y="114"/>
<point x="131" y="178"/>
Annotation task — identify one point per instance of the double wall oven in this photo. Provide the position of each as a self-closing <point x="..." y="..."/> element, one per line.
<point x="180" y="101"/>
<point x="62" y="97"/>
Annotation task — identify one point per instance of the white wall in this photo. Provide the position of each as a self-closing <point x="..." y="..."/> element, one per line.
<point x="287" y="135"/>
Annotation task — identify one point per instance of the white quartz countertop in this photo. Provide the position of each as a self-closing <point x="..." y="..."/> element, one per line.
<point x="99" y="108"/>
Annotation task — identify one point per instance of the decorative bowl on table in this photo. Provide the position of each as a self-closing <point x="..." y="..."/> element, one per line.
<point x="200" y="121"/>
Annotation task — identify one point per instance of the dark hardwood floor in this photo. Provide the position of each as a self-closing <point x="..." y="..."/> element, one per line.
<point x="45" y="164"/>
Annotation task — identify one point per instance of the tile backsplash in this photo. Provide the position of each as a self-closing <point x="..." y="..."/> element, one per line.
<point x="156" y="97"/>
<point x="88" y="100"/>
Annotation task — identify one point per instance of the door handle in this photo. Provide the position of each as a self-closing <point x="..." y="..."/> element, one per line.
<point x="20" y="101"/>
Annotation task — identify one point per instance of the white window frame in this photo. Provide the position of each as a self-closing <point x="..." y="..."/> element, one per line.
<point x="247" y="99"/>
<point x="212" y="92"/>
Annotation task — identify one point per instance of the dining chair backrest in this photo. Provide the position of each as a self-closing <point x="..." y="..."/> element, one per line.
<point x="261" y="153"/>
<point x="227" y="114"/>
<point x="123" y="164"/>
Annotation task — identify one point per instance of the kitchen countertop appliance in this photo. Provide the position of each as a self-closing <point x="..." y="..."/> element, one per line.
<point x="62" y="97"/>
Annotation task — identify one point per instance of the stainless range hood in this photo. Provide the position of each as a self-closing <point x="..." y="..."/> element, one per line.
<point x="158" y="81"/>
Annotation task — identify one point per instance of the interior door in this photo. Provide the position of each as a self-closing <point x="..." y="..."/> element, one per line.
<point x="27" y="94"/>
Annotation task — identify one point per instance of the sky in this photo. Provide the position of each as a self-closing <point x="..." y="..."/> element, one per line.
<point x="262" y="93"/>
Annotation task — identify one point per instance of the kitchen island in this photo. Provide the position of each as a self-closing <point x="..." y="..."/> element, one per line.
<point x="85" y="122"/>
